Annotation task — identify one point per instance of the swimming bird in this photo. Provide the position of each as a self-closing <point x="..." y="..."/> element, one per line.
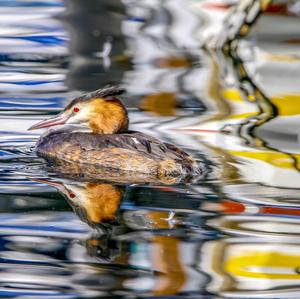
<point x="92" y="133"/>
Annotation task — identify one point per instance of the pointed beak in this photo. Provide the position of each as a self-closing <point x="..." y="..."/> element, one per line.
<point x="57" y="185"/>
<point x="57" y="120"/>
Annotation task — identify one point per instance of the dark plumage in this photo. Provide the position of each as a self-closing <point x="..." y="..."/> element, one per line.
<point x="108" y="92"/>
<point x="132" y="152"/>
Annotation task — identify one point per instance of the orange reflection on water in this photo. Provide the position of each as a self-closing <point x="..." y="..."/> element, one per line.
<point x="167" y="259"/>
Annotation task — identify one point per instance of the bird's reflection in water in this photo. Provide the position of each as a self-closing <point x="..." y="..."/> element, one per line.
<point x="97" y="204"/>
<point x="114" y="230"/>
<point x="94" y="203"/>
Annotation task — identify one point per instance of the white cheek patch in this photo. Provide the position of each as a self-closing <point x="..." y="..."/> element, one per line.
<point x="79" y="117"/>
<point x="80" y="196"/>
<point x="75" y="119"/>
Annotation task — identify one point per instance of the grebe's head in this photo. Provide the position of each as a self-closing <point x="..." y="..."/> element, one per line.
<point x="99" y="111"/>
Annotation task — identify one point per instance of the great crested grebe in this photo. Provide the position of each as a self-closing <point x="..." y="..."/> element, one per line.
<point x="93" y="131"/>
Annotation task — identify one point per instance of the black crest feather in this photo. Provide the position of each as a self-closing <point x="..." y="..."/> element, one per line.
<point x="106" y="92"/>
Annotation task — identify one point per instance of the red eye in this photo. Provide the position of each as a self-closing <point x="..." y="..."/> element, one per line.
<point x="76" y="109"/>
<point x="72" y="195"/>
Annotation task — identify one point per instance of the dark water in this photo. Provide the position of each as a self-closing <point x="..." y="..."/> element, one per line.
<point x="235" y="233"/>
